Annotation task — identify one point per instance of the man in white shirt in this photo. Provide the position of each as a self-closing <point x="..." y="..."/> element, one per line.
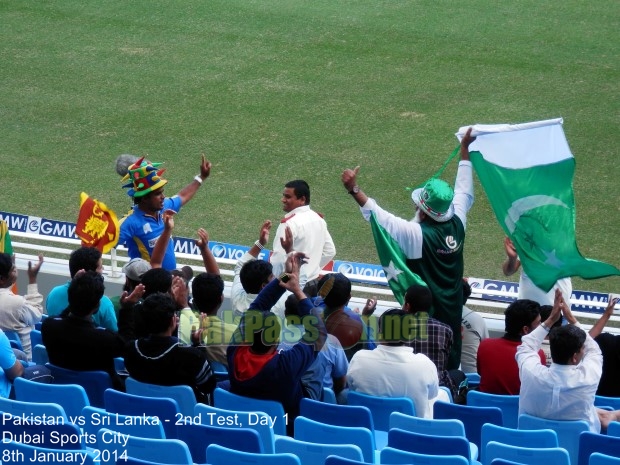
<point x="393" y="370"/>
<point x="566" y="389"/>
<point x="20" y="313"/>
<point x="310" y="235"/>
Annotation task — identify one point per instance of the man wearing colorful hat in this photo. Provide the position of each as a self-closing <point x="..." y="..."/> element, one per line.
<point x="141" y="228"/>
<point x="433" y="240"/>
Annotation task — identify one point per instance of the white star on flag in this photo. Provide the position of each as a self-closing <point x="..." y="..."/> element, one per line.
<point x="391" y="272"/>
<point x="552" y="259"/>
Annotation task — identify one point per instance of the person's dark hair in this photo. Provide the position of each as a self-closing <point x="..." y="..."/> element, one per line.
<point x="466" y="291"/>
<point x="564" y="342"/>
<point x="266" y="330"/>
<point x="181" y="275"/>
<point x="291" y="306"/>
<point x="334" y="289"/>
<point x="520" y="313"/>
<point x="391" y="326"/>
<point x="301" y="189"/>
<point x="207" y="290"/>
<point x="6" y="263"/>
<point x="254" y="274"/>
<point x="188" y="272"/>
<point x="545" y="311"/>
<point x="419" y="298"/>
<point x="156" y="280"/>
<point x="156" y="311"/>
<point x="84" y="258"/>
<point x="85" y="292"/>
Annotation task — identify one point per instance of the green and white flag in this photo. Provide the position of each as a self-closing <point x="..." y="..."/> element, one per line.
<point x="393" y="261"/>
<point x="527" y="173"/>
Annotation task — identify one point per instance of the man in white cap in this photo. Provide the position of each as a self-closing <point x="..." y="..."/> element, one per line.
<point x="433" y="241"/>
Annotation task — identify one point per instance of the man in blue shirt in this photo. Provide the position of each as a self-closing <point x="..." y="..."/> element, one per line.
<point x="11" y="367"/>
<point x="141" y="228"/>
<point x="87" y="259"/>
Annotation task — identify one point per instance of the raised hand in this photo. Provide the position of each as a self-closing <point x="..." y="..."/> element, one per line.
<point x="287" y="240"/>
<point x="349" y="178"/>
<point x="205" y="168"/>
<point x="33" y="270"/>
<point x="263" y="236"/>
<point x="203" y="239"/>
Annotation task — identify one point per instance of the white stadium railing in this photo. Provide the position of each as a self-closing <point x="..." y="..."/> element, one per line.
<point x="56" y="251"/>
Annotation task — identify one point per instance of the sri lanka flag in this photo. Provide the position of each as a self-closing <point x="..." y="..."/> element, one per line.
<point x="97" y="225"/>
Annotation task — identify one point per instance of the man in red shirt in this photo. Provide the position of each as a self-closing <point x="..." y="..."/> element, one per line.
<point x="497" y="366"/>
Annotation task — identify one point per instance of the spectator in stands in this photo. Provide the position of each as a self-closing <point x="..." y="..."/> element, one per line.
<point x="130" y="322"/>
<point x="252" y="274"/>
<point x="432" y="337"/>
<point x="161" y="358"/>
<point x="140" y="229"/>
<point x="499" y="373"/>
<point x="214" y="333"/>
<point x="11" y="367"/>
<point x="87" y="259"/>
<point x="609" y="385"/>
<point x="134" y="269"/>
<point x="473" y="330"/>
<point x="257" y="369"/>
<point x="309" y="233"/>
<point x="190" y="318"/>
<point x="73" y="341"/>
<point x="345" y="324"/>
<point x="393" y="369"/>
<point x="566" y="390"/>
<point x="329" y="370"/>
<point x="527" y="289"/>
<point x="545" y="311"/>
<point x="19" y="313"/>
<point x="433" y="241"/>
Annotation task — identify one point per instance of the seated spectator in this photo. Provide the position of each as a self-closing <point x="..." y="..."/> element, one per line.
<point x="609" y="385"/>
<point x="329" y="370"/>
<point x="87" y="259"/>
<point x="161" y="358"/>
<point x="393" y="369"/>
<point x="474" y="330"/>
<point x="432" y="337"/>
<point x="499" y="373"/>
<point x="73" y="341"/>
<point x="340" y="321"/>
<point x="252" y="274"/>
<point x="214" y="333"/>
<point x="11" y="367"/>
<point x="133" y="270"/>
<point x="565" y="390"/>
<point x="130" y="323"/>
<point x="19" y="313"/>
<point x="257" y="369"/>
<point x="189" y="324"/>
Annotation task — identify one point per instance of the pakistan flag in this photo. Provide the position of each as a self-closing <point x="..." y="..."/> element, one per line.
<point x="393" y="261"/>
<point x="527" y="173"/>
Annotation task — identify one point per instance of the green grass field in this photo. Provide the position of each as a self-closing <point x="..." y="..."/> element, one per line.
<point x="277" y="90"/>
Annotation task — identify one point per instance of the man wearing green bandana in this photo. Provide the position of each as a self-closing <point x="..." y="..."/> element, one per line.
<point x="433" y="240"/>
